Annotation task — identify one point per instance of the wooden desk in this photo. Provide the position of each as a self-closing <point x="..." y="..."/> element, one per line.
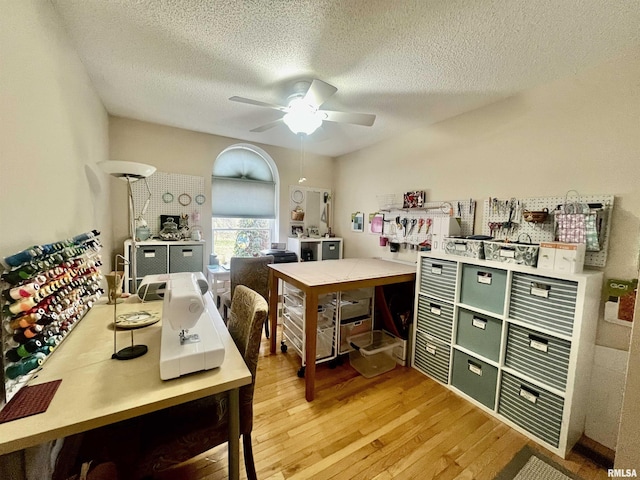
<point x="316" y="278"/>
<point x="97" y="391"/>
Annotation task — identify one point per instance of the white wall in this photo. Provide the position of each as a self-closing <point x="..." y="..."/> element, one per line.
<point x="53" y="131"/>
<point x="174" y="150"/>
<point x="578" y="133"/>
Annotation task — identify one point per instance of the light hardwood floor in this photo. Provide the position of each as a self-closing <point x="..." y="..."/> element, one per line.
<point x="399" y="425"/>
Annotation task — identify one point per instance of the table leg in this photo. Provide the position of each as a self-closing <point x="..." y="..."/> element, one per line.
<point x="273" y="309"/>
<point x="234" y="434"/>
<point x="311" y="333"/>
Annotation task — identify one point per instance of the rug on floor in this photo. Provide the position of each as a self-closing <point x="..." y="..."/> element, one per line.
<point x="529" y="464"/>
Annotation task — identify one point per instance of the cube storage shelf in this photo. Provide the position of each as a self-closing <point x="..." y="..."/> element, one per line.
<point x="156" y="257"/>
<point x="340" y="316"/>
<point x="512" y="339"/>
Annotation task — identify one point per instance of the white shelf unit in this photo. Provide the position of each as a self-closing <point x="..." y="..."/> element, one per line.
<point x="516" y="341"/>
<point x="156" y="257"/>
<point x="312" y="249"/>
<point x="340" y="315"/>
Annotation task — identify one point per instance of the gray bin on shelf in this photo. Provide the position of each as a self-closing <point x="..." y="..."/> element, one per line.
<point x="531" y="407"/>
<point x="432" y="357"/>
<point x="185" y="258"/>
<point x="435" y="318"/>
<point x="541" y="357"/>
<point x="438" y="277"/>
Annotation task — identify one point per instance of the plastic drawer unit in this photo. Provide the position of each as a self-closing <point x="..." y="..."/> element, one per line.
<point x="484" y="288"/>
<point x="479" y="333"/>
<point x="435" y="318"/>
<point x="432" y="357"/>
<point x="544" y="302"/>
<point x="438" y="277"/>
<point x="541" y="357"/>
<point x="474" y="377"/>
<point x="532" y="408"/>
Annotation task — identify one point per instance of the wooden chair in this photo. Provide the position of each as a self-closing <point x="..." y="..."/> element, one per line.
<point x="160" y="444"/>
<point x="251" y="272"/>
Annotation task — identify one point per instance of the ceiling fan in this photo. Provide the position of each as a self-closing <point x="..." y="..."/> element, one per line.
<point x="302" y="113"/>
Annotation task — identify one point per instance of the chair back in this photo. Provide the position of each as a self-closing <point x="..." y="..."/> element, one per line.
<point x="251" y="272"/>
<point x="248" y="314"/>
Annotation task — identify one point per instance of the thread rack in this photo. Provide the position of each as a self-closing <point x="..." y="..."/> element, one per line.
<point x="46" y="291"/>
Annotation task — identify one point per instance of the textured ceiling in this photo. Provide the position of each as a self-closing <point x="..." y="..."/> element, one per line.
<point x="409" y="62"/>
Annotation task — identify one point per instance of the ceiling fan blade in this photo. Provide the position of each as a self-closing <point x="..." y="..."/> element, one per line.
<point x="318" y="93"/>
<point x="365" y="119"/>
<point x="267" y="126"/>
<point x="258" y="103"/>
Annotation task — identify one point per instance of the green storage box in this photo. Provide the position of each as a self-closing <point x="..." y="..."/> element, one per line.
<point x="483" y="288"/>
<point x="474" y="377"/>
<point x="479" y="333"/>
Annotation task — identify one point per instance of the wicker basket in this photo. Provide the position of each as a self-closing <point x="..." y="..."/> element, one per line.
<point x="297" y="215"/>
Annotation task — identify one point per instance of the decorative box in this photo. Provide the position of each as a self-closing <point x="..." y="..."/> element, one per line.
<point x="520" y="253"/>
<point x="562" y="257"/>
<point x="464" y="247"/>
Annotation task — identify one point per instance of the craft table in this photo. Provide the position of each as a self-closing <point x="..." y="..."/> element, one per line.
<point x="97" y="391"/>
<point x="317" y="278"/>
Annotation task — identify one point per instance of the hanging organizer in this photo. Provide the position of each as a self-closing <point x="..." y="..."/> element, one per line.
<point x="496" y="213"/>
<point x="391" y="206"/>
<point x="46" y="291"/>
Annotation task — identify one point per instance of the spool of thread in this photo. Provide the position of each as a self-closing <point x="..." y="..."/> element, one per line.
<point x="23" y="256"/>
<point x="24" y="367"/>
<point x="21" y="274"/>
<point x="20" y="307"/>
<point x="23" y="291"/>
<point x="24" y="321"/>
<point x="23" y="351"/>
<point x="23" y="336"/>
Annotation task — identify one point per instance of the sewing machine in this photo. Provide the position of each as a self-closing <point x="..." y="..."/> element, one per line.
<point x="190" y="341"/>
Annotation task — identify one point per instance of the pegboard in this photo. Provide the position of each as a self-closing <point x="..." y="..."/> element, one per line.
<point x="161" y="183"/>
<point x="463" y="209"/>
<point x="497" y="211"/>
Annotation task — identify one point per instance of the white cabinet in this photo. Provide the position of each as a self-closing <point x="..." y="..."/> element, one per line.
<point x="157" y="257"/>
<point x="311" y="249"/>
<point x="515" y="340"/>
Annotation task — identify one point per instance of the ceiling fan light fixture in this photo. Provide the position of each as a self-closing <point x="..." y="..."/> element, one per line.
<point x="302" y="117"/>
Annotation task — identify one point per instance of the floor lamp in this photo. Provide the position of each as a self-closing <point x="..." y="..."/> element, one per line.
<point x="129" y="172"/>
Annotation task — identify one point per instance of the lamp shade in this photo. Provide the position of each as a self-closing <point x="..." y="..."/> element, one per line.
<point x="127" y="170"/>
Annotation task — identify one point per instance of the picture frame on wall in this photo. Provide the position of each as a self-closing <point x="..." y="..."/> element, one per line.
<point x="415" y="199"/>
<point x="357" y="222"/>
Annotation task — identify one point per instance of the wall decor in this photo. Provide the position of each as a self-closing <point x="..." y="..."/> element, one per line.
<point x="414" y="199"/>
<point x="357" y="222"/>
<point x="184" y="199"/>
<point x="200" y="199"/>
<point x="162" y="202"/>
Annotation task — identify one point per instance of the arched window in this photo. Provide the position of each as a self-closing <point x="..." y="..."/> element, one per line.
<point x="244" y="201"/>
